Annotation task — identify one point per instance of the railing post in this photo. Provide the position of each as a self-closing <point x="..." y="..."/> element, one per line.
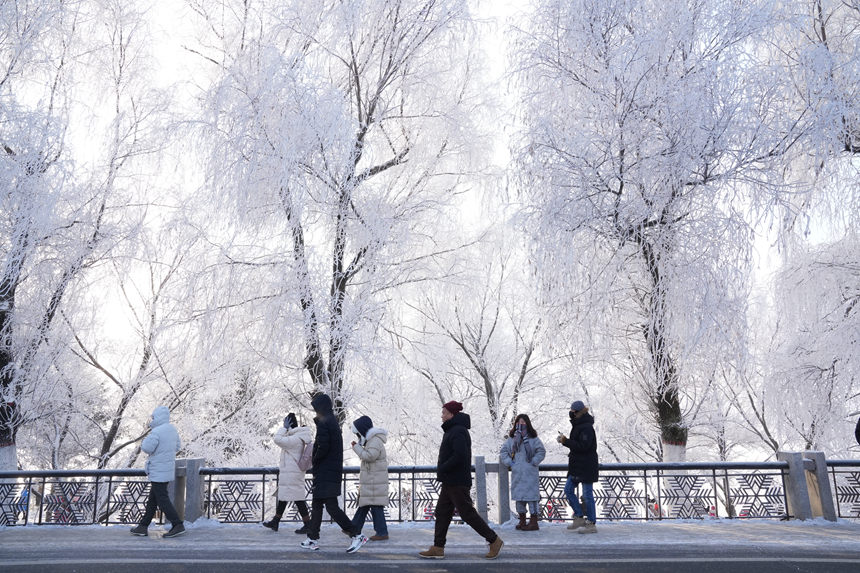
<point x="818" y="486"/>
<point x="176" y="488"/>
<point x="504" y="493"/>
<point x="481" y="486"/>
<point x="192" y="493"/>
<point x="796" y="491"/>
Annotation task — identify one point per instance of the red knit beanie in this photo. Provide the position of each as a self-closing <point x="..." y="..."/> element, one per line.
<point x="453" y="407"/>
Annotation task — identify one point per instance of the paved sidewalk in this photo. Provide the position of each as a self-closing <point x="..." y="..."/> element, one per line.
<point x="720" y="545"/>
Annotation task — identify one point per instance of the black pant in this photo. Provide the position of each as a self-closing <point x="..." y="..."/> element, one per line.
<point x="158" y="498"/>
<point x="457" y="497"/>
<point x="334" y="511"/>
<point x="301" y="505"/>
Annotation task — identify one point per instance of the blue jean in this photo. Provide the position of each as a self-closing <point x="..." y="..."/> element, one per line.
<point x="377" y="512"/>
<point x="587" y="493"/>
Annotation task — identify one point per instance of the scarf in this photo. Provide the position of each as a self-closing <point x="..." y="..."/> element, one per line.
<point x="521" y="441"/>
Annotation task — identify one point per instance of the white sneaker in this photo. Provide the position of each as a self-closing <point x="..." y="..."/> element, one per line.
<point x="356" y="544"/>
<point x="310" y="544"/>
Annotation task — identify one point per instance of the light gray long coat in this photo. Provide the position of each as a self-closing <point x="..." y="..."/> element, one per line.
<point x="525" y="478"/>
<point x="291" y="480"/>
<point x="373" y="479"/>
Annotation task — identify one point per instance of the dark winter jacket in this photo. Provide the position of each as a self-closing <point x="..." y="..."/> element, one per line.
<point x="582" y="461"/>
<point x="327" y="467"/>
<point x="454" y="466"/>
<point x="857" y="431"/>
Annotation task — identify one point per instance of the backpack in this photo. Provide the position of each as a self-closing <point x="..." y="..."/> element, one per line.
<point x="306" y="460"/>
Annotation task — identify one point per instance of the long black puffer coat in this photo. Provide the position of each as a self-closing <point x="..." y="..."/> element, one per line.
<point x="582" y="461"/>
<point x="327" y="467"/>
<point x="454" y="466"/>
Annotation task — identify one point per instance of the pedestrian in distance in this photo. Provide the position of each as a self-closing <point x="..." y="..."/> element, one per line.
<point x="582" y="467"/>
<point x="292" y="439"/>
<point x="160" y="444"/>
<point x="369" y="446"/>
<point x="454" y="472"/>
<point x="523" y="452"/>
<point x="327" y="470"/>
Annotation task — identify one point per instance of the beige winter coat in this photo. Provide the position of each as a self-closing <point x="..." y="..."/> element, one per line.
<point x="291" y="482"/>
<point x="373" y="479"/>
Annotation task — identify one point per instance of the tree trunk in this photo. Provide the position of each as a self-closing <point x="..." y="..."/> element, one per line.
<point x="666" y="398"/>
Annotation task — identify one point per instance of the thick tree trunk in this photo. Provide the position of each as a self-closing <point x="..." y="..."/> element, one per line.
<point x="666" y="398"/>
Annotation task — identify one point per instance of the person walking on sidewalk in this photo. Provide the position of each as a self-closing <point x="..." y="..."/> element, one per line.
<point x="523" y="452"/>
<point x="454" y="471"/>
<point x="161" y="445"/>
<point x="582" y="467"/>
<point x="291" y="438"/>
<point x="327" y="470"/>
<point x="373" y="477"/>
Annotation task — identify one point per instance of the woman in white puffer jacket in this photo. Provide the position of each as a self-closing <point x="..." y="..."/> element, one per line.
<point x="291" y="438"/>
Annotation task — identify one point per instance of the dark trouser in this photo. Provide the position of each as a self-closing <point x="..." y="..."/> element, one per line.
<point x="158" y="498"/>
<point x="378" y="514"/>
<point x="334" y="511"/>
<point x="457" y="497"/>
<point x="301" y="505"/>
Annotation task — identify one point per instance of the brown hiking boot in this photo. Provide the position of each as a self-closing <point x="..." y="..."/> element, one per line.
<point x="433" y="553"/>
<point x="532" y="525"/>
<point x="378" y="537"/>
<point x="495" y="547"/>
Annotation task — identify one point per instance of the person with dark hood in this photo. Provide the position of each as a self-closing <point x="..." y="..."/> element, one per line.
<point x="327" y="470"/>
<point x="454" y="472"/>
<point x="291" y="438"/>
<point x="523" y="452"/>
<point x="373" y="477"/>
<point x="161" y="444"/>
<point x="582" y="467"/>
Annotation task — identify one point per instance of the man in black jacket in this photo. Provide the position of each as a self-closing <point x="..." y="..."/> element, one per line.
<point x="454" y="471"/>
<point x="582" y="466"/>
<point x="327" y="470"/>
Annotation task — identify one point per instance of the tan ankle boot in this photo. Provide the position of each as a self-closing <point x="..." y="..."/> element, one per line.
<point x="433" y="553"/>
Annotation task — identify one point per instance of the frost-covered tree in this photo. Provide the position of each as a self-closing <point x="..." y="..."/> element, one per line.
<point x="78" y="112"/>
<point x="480" y="336"/>
<point x="338" y="125"/>
<point x="651" y="131"/>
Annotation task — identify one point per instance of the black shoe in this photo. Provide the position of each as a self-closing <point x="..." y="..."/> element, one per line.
<point x="140" y="530"/>
<point x="175" y="531"/>
<point x="303" y="530"/>
<point x="273" y="523"/>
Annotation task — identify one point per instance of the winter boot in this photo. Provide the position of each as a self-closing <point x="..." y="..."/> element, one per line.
<point x="532" y="524"/>
<point x="433" y="553"/>
<point x="522" y="523"/>
<point x="578" y="521"/>
<point x="303" y="530"/>
<point x="273" y="523"/>
<point x="495" y="547"/>
<point x="589" y="527"/>
<point x="175" y="531"/>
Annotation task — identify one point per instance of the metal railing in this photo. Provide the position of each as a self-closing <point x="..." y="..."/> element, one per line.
<point x="72" y="497"/>
<point x="242" y="495"/>
<point x="648" y="491"/>
<point x="845" y="478"/>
